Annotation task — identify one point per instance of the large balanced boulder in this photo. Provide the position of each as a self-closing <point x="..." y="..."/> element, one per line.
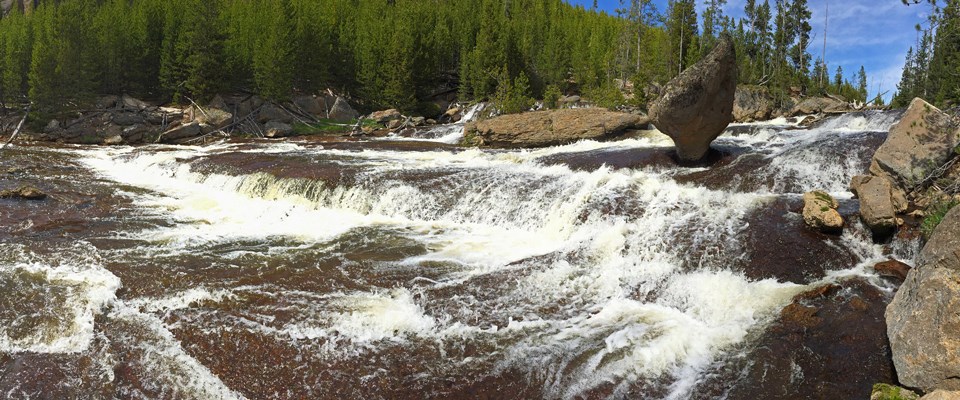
<point x="554" y="127"/>
<point x="697" y="105"/>
<point x="877" y="207"/>
<point x="923" y="322"/>
<point x="820" y="211"/>
<point x="752" y="103"/>
<point x="923" y="140"/>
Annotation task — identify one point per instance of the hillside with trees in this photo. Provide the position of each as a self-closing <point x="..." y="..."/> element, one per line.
<point x="932" y="67"/>
<point x="393" y="53"/>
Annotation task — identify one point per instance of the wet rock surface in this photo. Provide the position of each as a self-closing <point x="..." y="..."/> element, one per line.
<point x="827" y="339"/>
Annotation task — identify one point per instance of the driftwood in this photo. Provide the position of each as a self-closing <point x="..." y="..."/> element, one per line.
<point x="19" y="127"/>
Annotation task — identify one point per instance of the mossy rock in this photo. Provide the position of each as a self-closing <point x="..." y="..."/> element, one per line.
<point x="883" y="391"/>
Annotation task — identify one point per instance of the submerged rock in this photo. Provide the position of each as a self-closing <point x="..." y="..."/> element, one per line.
<point x="820" y="211"/>
<point x="23" y="193"/>
<point x="553" y="127"/>
<point x="697" y="105"/>
<point x="922" y="320"/>
<point x="893" y="269"/>
<point x="922" y="141"/>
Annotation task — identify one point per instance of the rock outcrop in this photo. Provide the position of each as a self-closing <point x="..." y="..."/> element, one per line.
<point x="877" y="208"/>
<point x="553" y="127"/>
<point x="697" y="105"/>
<point x="942" y="395"/>
<point x="820" y="212"/>
<point x="817" y="105"/>
<point x="923" y="140"/>
<point x="922" y="320"/>
<point x="752" y="103"/>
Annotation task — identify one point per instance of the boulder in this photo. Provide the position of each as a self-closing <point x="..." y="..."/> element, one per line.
<point x="568" y="100"/>
<point x="107" y="102"/>
<point x="552" y="127"/>
<point x="312" y="105"/>
<point x="127" y="118"/>
<point x="817" y="105"/>
<point x="386" y="116"/>
<point x="452" y="115"/>
<point x="876" y="203"/>
<point x="248" y="105"/>
<point x="277" y="129"/>
<point x="697" y="105"/>
<point x="341" y="111"/>
<point x="131" y="103"/>
<point x="893" y="269"/>
<point x="820" y="212"/>
<point x="113" y="140"/>
<point x="418" y="121"/>
<point x="215" y="117"/>
<point x="218" y="102"/>
<point x="752" y="103"/>
<point x="270" y="112"/>
<point x="23" y="193"/>
<point x="922" y="320"/>
<point x="52" y="126"/>
<point x="942" y="395"/>
<point x="181" y="132"/>
<point x="922" y="141"/>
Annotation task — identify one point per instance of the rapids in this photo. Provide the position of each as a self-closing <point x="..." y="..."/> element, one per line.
<point x="411" y="268"/>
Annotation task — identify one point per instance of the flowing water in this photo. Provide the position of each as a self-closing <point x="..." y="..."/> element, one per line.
<point x="405" y="268"/>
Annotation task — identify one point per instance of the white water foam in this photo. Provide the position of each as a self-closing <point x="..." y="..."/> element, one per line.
<point x="77" y="288"/>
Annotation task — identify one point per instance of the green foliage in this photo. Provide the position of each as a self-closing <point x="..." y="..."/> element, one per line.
<point x="883" y="391"/>
<point x="935" y="213"/>
<point x="551" y="96"/>
<point x="606" y="96"/>
<point x="513" y="95"/>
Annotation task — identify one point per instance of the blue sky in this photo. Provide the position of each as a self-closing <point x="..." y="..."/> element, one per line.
<point x="872" y="33"/>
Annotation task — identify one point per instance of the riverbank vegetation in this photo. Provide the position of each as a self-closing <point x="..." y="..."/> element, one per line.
<point x="393" y="53"/>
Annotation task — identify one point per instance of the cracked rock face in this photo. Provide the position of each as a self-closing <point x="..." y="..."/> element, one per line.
<point x="923" y="321"/>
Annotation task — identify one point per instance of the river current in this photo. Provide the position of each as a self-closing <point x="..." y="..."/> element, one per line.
<point x="413" y="268"/>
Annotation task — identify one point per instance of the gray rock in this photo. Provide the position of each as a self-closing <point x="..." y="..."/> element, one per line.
<point x="697" y="105"/>
<point x="181" y="132"/>
<point x="922" y="141"/>
<point x="127" y="118"/>
<point x="922" y="320"/>
<point x="341" y="111"/>
<point x="52" y="126"/>
<point x="752" y="103"/>
<point x="214" y="117"/>
<point x="877" y="207"/>
<point x="820" y="211"/>
<point x="131" y="103"/>
<point x="270" y="112"/>
<point x="312" y="105"/>
<point x="276" y="129"/>
<point x="107" y="102"/>
<point x="418" y="121"/>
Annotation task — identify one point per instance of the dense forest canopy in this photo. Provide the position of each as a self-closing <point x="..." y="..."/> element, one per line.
<point x="932" y="69"/>
<point x="393" y="53"/>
